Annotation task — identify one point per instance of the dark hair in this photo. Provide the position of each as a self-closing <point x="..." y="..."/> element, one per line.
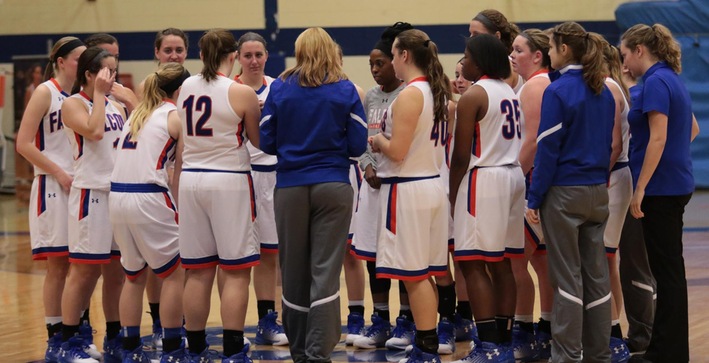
<point x="538" y="40"/>
<point x="250" y="37"/>
<point x="585" y="50"/>
<point x="90" y="60"/>
<point x="424" y="54"/>
<point x="387" y="38"/>
<point x="215" y="45"/>
<point x="489" y="55"/>
<point x="658" y="40"/>
<point x="100" y="38"/>
<point x="495" y="21"/>
<point x="160" y="36"/>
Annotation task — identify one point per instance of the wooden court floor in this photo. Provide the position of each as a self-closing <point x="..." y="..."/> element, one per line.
<point x="22" y="332"/>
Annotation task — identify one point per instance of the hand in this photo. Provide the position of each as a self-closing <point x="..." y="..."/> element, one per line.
<point x="64" y="179"/>
<point x="636" y="202"/>
<point x="104" y="81"/>
<point x="370" y="175"/>
<point x="373" y="142"/>
<point x="532" y="215"/>
<point x="123" y="94"/>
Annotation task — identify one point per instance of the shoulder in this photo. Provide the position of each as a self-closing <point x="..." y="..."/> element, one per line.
<point x="536" y="85"/>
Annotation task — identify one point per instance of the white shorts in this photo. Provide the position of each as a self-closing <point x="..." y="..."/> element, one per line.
<point x="534" y="234"/>
<point x="356" y="183"/>
<point x="620" y="191"/>
<point x="265" y="226"/>
<point x="489" y="215"/>
<point x="367" y="221"/>
<point x="145" y="228"/>
<point x="412" y="242"/>
<point x="90" y="234"/>
<point x="218" y="211"/>
<point x="48" y="218"/>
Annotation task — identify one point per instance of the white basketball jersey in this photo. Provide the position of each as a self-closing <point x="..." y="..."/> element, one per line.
<point x="94" y="159"/>
<point x="426" y="151"/>
<point x="259" y="157"/>
<point x="50" y="139"/>
<point x="624" y="126"/>
<point x="498" y="135"/>
<point x="143" y="159"/>
<point x="214" y="135"/>
<point x="522" y="118"/>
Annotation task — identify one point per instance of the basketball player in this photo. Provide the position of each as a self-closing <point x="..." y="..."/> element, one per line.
<point x="216" y="195"/>
<point x="143" y="213"/>
<point x="123" y="95"/>
<point x="412" y="242"/>
<point x="93" y="129"/>
<point x="487" y="193"/>
<point x="42" y="141"/>
<point x="252" y="56"/>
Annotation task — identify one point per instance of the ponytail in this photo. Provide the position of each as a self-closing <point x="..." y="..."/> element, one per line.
<point x="425" y="56"/>
<point x="158" y="86"/>
<point x="585" y="49"/>
<point x="215" y="45"/>
<point x="611" y="57"/>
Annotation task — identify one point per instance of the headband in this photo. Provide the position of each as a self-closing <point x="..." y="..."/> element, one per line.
<point x="172" y="86"/>
<point x="489" y="25"/>
<point x="67" y="48"/>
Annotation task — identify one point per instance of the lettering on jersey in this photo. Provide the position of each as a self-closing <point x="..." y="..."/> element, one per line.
<point x="439" y="132"/>
<point x="55" y="121"/>
<point x="203" y="105"/>
<point x="113" y="122"/>
<point x="128" y="143"/>
<point x="383" y="121"/>
<point x="375" y="118"/>
<point x="511" y="126"/>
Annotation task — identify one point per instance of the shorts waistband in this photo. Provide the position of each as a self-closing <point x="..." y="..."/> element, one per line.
<point x="399" y="180"/>
<point x="263" y="168"/>
<point x="137" y="188"/>
<point x="619" y="165"/>
<point x="354" y="162"/>
<point x="190" y="170"/>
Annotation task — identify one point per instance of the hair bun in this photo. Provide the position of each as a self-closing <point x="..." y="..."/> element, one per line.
<point x="391" y="32"/>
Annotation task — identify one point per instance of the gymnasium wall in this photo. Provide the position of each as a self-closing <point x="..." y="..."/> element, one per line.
<point x="30" y="27"/>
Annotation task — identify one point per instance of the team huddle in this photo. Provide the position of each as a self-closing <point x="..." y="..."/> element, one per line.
<point x="557" y="143"/>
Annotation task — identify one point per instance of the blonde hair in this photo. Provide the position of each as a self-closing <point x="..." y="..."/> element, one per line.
<point x="424" y="53"/>
<point x="215" y="45"/>
<point x="317" y="59"/>
<point x="585" y="49"/>
<point x="611" y="57"/>
<point x="153" y="94"/>
<point x="659" y="41"/>
<point x="538" y="40"/>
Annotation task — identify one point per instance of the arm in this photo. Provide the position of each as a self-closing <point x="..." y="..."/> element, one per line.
<point x="174" y="128"/>
<point x="245" y="103"/>
<point x="37" y="107"/>
<point x="356" y="129"/>
<point x="77" y="117"/>
<point x="469" y="107"/>
<point x="531" y="104"/>
<point x="617" y="143"/>
<point x="405" y="112"/>
<point x="695" y="128"/>
<point x="655" y="147"/>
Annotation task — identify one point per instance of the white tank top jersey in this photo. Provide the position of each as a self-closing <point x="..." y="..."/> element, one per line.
<point x="498" y="135"/>
<point x="624" y="126"/>
<point x="143" y="160"/>
<point x="259" y="157"/>
<point x="215" y="138"/>
<point x="94" y="159"/>
<point x="50" y="138"/>
<point x="426" y="151"/>
<point x="519" y="85"/>
<point x="522" y="119"/>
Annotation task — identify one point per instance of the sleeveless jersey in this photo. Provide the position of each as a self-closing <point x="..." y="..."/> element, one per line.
<point x="143" y="160"/>
<point x="50" y="139"/>
<point x="426" y="151"/>
<point x="522" y="119"/>
<point x="94" y="159"/>
<point x="624" y="126"/>
<point x="498" y="135"/>
<point x="214" y="135"/>
<point x="259" y="157"/>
